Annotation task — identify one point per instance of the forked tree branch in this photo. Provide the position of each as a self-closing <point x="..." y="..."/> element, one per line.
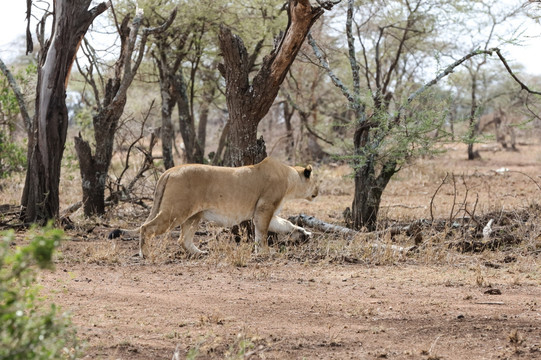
<point x="18" y="95"/>
<point x="325" y="64"/>
<point x="522" y="85"/>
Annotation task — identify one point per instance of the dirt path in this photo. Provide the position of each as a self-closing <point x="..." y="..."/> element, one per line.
<point x="289" y="310"/>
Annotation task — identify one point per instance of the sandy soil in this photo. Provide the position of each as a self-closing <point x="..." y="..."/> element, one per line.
<point x="235" y="306"/>
<point x="295" y="311"/>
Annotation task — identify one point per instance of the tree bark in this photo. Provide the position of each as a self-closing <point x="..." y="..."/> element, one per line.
<point x="169" y="64"/>
<point x="368" y="191"/>
<point x="92" y="183"/>
<point x="168" y="103"/>
<point x="290" y="141"/>
<point x="473" y="123"/>
<point x="368" y="186"/>
<point x="47" y="137"/>
<point x="194" y="154"/>
<point x="94" y="167"/>
<point x="167" y="131"/>
<point x="248" y="103"/>
<point x="202" y="126"/>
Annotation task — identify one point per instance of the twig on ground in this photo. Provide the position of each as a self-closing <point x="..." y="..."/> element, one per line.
<point x="434" y="195"/>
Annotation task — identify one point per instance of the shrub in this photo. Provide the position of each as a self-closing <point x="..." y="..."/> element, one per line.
<point x="12" y="156"/>
<point x="30" y="328"/>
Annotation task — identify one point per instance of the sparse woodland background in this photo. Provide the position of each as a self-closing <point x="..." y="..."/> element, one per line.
<point x="375" y="86"/>
<point x="420" y="120"/>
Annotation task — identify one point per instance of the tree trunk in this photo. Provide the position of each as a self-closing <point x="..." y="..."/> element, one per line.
<point x="94" y="168"/>
<point x="40" y="199"/>
<point x="290" y="141"/>
<point x="186" y="122"/>
<point x="168" y="94"/>
<point x="93" y="185"/>
<point x="167" y="131"/>
<point x="244" y="146"/>
<point x="171" y="52"/>
<point x="368" y="191"/>
<point x="248" y="103"/>
<point x="217" y="158"/>
<point x="201" y="140"/>
<point x="368" y="186"/>
<point x="472" y="129"/>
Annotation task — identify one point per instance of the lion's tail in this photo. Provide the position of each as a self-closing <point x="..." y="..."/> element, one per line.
<point x="158" y="195"/>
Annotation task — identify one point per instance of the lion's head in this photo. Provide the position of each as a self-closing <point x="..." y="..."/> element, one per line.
<point x="309" y="187"/>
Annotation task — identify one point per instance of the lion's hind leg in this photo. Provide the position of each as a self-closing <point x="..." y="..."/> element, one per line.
<point x="187" y="232"/>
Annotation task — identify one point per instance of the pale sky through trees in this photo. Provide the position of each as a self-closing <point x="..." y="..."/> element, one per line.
<point x="13" y="26"/>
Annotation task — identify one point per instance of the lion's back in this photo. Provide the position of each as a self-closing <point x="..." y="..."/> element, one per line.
<point x="223" y="195"/>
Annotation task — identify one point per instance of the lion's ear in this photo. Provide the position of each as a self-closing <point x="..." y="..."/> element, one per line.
<point x="308" y="171"/>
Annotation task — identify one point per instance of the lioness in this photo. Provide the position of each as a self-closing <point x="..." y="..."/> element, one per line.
<point x="186" y="194"/>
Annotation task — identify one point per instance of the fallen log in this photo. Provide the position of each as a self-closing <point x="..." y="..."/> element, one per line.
<point x="71" y="209"/>
<point x="314" y="223"/>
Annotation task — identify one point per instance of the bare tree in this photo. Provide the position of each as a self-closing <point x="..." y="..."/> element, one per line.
<point x="94" y="167"/>
<point x="47" y="134"/>
<point x="171" y="51"/>
<point x="248" y="102"/>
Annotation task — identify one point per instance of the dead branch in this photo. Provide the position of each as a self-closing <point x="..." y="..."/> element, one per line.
<point x="117" y="189"/>
<point x="490" y="303"/>
<point x="502" y="232"/>
<point x="18" y="95"/>
<point x="9" y="213"/>
<point x="141" y="135"/>
<point x="451" y="216"/>
<point x="312" y="222"/>
<point x="148" y="163"/>
<point x="71" y="209"/>
<point x="464" y="204"/>
<point x="506" y="65"/>
<point x="434" y="195"/>
<point x="528" y="176"/>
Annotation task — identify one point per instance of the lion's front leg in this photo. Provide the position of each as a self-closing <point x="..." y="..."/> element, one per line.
<point x="284" y="226"/>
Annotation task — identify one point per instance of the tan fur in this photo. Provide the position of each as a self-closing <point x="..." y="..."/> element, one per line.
<point x="227" y="196"/>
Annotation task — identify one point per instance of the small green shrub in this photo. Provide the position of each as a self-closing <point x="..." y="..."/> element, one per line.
<point x="12" y="156"/>
<point x="29" y="328"/>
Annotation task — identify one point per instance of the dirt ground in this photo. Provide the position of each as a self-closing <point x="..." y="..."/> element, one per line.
<point x="296" y="311"/>
<point x="306" y="302"/>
